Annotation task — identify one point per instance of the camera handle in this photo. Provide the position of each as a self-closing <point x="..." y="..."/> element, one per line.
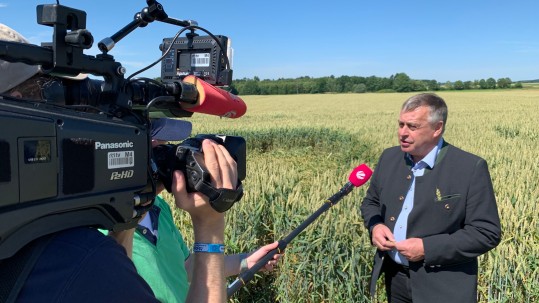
<point x="64" y="55"/>
<point x="154" y="11"/>
<point x="198" y="178"/>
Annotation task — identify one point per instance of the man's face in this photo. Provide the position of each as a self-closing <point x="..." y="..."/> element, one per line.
<point x="416" y="135"/>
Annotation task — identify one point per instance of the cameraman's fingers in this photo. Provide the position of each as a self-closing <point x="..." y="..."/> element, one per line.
<point x="222" y="174"/>
<point x="229" y="168"/>
<point x="211" y="160"/>
<point x="179" y="189"/>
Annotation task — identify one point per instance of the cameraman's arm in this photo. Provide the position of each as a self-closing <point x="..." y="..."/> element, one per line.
<point x="234" y="263"/>
<point x="208" y="282"/>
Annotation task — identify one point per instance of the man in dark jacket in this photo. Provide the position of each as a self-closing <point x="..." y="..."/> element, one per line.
<point x="430" y="210"/>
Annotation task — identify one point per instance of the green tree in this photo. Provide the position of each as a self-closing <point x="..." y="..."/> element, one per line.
<point x="504" y="83"/>
<point x="399" y="82"/>
<point x="319" y="86"/>
<point x="402" y="83"/>
<point x="359" y="88"/>
<point x="345" y="84"/>
<point x="491" y="83"/>
<point x="373" y="84"/>
<point x="459" y="85"/>
<point x="250" y="88"/>
<point x="332" y="85"/>
<point x="433" y="85"/>
<point x="483" y="84"/>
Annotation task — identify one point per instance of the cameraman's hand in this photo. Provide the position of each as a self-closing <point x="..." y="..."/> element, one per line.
<point x="208" y="275"/>
<point x="223" y="172"/>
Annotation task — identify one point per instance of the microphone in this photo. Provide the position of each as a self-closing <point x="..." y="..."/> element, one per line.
<point x="359" y="176"/>
<point x="214" y="101"/>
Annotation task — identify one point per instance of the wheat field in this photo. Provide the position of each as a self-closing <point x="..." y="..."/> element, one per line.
<point x="301" y="149"/>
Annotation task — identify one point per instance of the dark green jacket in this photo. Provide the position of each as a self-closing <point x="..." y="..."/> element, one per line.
<point x="454" y="212"/>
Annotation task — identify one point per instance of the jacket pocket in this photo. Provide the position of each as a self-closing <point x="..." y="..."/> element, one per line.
<point x="448" y="202"/>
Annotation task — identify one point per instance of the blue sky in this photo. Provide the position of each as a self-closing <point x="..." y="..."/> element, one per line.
<point x="426" y="39"/>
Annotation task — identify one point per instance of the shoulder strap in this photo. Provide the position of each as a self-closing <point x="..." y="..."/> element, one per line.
<point x="15" y="270"/>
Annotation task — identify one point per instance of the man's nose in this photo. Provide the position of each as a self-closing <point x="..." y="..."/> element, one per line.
<point x="403" y="131"/>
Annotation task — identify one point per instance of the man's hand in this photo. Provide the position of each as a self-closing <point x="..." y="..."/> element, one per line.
<point x="223" y="171"/>
<point x="382" y="237"/>
<point x="412" y="249"/>
<point x="208" y="282"/>
<point x="258" y="254"/>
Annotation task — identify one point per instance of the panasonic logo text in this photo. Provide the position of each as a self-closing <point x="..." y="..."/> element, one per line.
<point x="113" y="145"/>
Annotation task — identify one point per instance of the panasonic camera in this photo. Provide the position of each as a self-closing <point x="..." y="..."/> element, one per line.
<point x="83" y="156"/>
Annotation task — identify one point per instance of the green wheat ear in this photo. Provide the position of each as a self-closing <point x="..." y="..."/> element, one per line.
<point x="438" y="194"/>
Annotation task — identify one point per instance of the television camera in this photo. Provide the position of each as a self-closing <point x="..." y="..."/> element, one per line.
<point x="83" y="156"/>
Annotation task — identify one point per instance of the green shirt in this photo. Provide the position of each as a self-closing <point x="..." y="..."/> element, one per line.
<point x="163" y="265"/>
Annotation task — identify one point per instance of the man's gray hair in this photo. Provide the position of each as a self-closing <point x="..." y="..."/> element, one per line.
<point x="437" y="106"/>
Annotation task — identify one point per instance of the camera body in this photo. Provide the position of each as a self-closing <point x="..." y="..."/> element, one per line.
<point x="62" y="168"/>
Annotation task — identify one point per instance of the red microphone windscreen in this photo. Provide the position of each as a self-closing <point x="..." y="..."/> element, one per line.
<point x="215" y="101"/>
<point x="360" y="175"/>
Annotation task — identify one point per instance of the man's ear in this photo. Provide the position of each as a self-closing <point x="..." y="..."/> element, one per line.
<point x="439" y="127"/>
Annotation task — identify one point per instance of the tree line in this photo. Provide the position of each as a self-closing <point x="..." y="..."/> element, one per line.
<point x="399" y="82"/>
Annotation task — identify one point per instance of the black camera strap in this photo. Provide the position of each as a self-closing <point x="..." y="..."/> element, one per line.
<point x="221" y="199"/>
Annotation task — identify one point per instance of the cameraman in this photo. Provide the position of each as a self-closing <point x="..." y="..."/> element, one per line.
<point x="157" y="246"/>
<point x="83" y="265"/>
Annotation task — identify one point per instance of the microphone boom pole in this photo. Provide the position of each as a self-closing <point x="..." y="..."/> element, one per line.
<point x="358" y="177"/>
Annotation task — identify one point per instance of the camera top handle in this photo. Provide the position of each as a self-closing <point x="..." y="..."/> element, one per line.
<point x="64" y="55"/>
<point x="153" y="12"/>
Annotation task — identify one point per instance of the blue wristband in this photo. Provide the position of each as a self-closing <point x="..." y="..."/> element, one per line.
<point x="209" y="248"/>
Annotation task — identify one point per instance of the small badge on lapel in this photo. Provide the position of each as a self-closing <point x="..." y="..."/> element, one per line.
<point x="438" y="195"/>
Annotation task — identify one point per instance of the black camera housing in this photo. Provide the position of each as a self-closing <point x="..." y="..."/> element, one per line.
<point x="61" y="168"/>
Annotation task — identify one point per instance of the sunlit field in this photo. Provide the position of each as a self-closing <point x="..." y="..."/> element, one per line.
<point x="301" y="149"/>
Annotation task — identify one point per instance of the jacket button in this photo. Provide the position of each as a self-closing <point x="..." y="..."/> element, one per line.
<point x="401" y="198"/>
<point x="392" y="219"/>
<point x="447" y="206"/>
<point x="408" y="177"/>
